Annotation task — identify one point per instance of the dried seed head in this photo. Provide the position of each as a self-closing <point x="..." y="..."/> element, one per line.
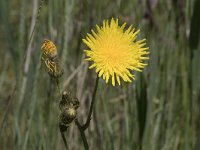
<point x="49" y="48"/>
<point x="50" y="59"/>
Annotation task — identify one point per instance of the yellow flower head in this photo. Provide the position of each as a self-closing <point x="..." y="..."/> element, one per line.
<point x="115" y="52"/>
<point x="48" y="48"/>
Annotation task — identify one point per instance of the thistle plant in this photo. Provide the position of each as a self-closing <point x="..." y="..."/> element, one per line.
<point x="51" y="62"/>
<point x="120" y="107"/>
<point x="68" y="104"/>
<point x="115" y="54"/>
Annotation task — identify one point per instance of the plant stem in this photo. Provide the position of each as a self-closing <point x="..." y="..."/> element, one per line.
<point x="86" y="125"/>
<point x="64" y="139"/>
<point x="82" y="132"/>
<point x="62" y="133"/>
<point x="58" y="86"/>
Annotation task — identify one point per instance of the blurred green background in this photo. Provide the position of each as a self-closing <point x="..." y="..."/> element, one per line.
<point x="160" y="110"/>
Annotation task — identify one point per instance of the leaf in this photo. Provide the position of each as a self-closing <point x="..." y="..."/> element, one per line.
<point x="141" y="97"/>
<point x="195" y="26"/>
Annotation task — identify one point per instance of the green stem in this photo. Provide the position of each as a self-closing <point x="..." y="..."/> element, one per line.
<point x="82" y="132"/>
<point x="86" y="125"/>
<point x="64" y="140"/>
<point x="58" y="86"/>
<point x="36" y="21"/>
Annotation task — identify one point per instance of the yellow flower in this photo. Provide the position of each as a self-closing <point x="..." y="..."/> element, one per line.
<point x="115" y="52"/>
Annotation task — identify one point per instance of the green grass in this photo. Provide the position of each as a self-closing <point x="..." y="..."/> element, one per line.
<point x="158" y="111"/>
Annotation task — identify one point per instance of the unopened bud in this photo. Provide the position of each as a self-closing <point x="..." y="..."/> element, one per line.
<point x="68" y="114"/>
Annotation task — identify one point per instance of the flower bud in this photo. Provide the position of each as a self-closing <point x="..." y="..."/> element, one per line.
<point x="68" y="114"/>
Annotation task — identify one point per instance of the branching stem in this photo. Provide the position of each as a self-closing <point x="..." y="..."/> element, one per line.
<point x="64" y="140"/>
<point x="82" y="132"/>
